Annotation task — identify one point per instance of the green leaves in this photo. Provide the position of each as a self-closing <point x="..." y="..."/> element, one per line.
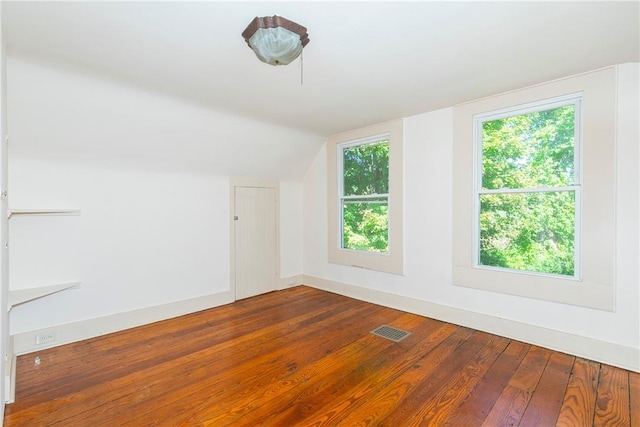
<point x="529" y="150"/>
<point x="525" y="230"/>
<point x="528" y="231"/>
<point x="366" y="169"/>
<point x="366" y="226"/>
<point x="366" y="219"/>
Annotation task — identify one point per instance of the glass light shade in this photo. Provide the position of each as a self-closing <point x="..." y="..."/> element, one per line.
<point x="276" y="46"/>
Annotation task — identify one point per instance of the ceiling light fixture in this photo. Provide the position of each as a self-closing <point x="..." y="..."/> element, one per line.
<point x="275" y="40"/>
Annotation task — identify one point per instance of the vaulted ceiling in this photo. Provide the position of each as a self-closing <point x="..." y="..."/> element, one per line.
<point x="367" y="62"/>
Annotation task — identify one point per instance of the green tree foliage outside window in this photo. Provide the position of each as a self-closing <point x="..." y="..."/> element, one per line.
<point x="365" y="197"/>
<point x="528" y="196"/>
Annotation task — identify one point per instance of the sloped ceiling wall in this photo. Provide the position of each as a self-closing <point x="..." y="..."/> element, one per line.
<point x="367" y="62"/>
<point x="57" y="113"/>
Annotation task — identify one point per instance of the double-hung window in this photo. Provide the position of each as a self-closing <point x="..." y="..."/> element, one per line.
<point x="534" y="191"/>
<point x="364" y="189"/>
<point x="528" y="188"/>
<point x="364" y="194"/>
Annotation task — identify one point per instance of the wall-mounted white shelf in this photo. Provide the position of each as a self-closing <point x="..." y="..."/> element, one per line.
<point x="42" y="212"/>
<point x="20" y="296"/>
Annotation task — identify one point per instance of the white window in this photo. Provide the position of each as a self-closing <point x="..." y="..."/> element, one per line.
<point x="364" y="175"/>
<point x="527" y="207"/>
<point x="488" y="231"/>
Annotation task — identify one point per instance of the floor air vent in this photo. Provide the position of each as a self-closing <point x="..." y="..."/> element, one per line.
<point x="390" y="333"/>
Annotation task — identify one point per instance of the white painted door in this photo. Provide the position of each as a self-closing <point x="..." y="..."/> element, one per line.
<point x="256" y="266"/>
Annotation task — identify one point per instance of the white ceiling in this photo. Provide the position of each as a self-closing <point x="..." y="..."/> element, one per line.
<point x="367" y="62"/>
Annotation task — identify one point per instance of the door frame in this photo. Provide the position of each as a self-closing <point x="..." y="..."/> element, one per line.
<point x="255" y="183"/>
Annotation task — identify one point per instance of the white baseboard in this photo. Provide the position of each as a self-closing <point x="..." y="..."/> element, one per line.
<point x="10" y="374"/>
<point x="588" y="348"/>
<point x="77" y="331"/>
<point x="289" y="282"/>
<point x="25" y="342"/>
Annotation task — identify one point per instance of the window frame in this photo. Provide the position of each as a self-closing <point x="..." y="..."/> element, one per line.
<point x="375" y="139"/>
<point x="519" y="110"/>
<point x="596" y="286"/>
<point x="391" y="261"/>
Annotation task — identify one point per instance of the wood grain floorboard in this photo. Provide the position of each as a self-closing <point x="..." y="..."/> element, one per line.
<point x="579" y="403"/>
<point x="392" y="394"/>
<point x="305" y="357"/>
<point x="355" y="361"/>
<point x="634" y="399"/>
<point x="544" y="407"/>
<point x="428" y="388"/>
<point x="441" y="405"/>
<point x="612" y="401"/>
<point x="478" y="403"/>
<point x="337" y="407"/>
<point x="136" y="349"/>
<point x="514" y="399"/>
<point x="312" y="358"/>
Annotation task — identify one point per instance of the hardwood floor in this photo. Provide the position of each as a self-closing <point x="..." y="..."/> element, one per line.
<point x="305" y="357"/>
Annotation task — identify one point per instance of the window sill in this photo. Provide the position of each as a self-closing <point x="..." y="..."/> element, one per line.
<point x="558" y="289"/>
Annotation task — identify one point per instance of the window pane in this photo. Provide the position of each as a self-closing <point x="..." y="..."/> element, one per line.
<point x="366" y="224"/>
<point x="528" y="231"/>
<point x="366" y="169"/>
<point x="529" y="150"/>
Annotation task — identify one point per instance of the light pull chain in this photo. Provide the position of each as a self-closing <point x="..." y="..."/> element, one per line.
<point x="301" y="67"/>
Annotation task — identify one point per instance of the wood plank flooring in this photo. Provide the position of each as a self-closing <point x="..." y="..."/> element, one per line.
<point x="305" y="357"/>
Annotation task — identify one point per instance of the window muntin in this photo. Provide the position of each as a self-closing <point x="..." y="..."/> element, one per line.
<point x="528" y="191"/>
<point x="364" y="194"/>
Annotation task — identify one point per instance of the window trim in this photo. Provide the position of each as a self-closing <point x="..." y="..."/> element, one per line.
<point x="519" y="110"/>
<point x="596" y="286"/>
<point x="391" y="261"/>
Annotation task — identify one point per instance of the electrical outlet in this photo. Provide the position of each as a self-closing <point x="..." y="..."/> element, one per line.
<point x="45" y="338"/>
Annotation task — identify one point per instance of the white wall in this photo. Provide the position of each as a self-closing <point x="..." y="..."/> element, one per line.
<point x="151" y="177"/>
<point x="59" y="113"/>
<point x="4" y="259"/>
<point x="142" y="239"/>
<point x="428" y="263"/>
<point x="290" y="229"/>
